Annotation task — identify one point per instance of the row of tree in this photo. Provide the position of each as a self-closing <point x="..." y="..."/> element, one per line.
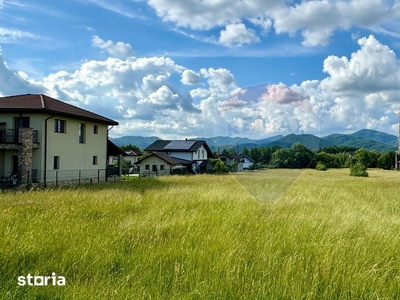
<point x="299" y="156"/>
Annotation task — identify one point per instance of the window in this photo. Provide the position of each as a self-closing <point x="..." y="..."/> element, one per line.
<point x="162" y="167"/>
<point x="95" y="129"/>
<point x="59" y="126"/>
<point x="154" y="168"/>
<point x="95" y="160"/>
<point x="82" y="133"/>
<point x="147" y="167"/>
<point x="202" y="153"/>
<point x="21" y="122"/>
<point x="56" y="164"/>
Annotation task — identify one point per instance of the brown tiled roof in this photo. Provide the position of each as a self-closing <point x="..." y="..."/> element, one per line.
<point x="38" y="103"/>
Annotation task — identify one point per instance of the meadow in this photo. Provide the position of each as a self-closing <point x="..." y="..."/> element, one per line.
<point x="271" y="234"/>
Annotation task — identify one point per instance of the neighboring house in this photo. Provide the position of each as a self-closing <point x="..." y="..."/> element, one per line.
<point x="44" y="140"/>
<point x="244" y="161"/>
<point x="190" y="154"/>
<point x="229" y="159"/>
<point x="159" y="164"/>
<point x="132" y="156"/>
<point x="247" y="161"/>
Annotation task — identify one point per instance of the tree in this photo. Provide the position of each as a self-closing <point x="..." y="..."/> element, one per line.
<point x="126" y="165"/>
<point x="130" y="147"/>
<point x="246" y="151"/>
<point x="366" y="158"/>
<point x="218" y="166"/>
<point x="358" y="170"/>
<point x="386" y="160"/>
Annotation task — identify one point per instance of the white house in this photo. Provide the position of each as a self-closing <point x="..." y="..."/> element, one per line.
<point x="192" y="154"/>
<point x="44" y="140"/>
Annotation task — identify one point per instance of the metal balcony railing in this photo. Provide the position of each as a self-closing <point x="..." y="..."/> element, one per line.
<point x="10" y="136"/>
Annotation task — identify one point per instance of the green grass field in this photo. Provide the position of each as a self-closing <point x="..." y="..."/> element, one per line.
<point x="273" y="234"/>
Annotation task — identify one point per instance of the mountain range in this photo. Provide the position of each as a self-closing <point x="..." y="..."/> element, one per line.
<point x="365" y="138"/>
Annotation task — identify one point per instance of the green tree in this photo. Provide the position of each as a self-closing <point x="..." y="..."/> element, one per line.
<point x="386" y="160"/>
<point x="218" y="166"/>
<point x="366" y="158"/>
<point x="246" y="151"/>
<point x="130" y="147"/>
<point x="359" y="170"/>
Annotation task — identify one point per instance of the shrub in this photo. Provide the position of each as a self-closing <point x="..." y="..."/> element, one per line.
<point x="218" y="166"/>
<point x="358" y="170"/>
<point x="321" y="167"/>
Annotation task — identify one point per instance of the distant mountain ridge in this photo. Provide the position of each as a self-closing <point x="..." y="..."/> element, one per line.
<point x="365" y="138"/>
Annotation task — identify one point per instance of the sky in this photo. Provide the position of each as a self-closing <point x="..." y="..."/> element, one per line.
<point x="201" y="68"/>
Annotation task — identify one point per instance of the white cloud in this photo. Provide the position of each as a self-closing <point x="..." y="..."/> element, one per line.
<point x="8" y="35"/>
<point x="372" y="68"/>
<point x="119" y="49"/>
<point x="360" y="92"/>
<point x="237" y="34"/>
<point x="316" y="20"/>
<point x="190" y="77"/>
<point x="220" y="79"/>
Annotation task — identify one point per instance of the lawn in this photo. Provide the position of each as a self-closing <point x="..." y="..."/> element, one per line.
<point x="272" y="234"/>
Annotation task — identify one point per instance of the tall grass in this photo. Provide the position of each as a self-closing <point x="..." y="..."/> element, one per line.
<point x="274" y="234"/>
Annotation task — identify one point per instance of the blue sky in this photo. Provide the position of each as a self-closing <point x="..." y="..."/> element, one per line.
<point x="191" y="68"/>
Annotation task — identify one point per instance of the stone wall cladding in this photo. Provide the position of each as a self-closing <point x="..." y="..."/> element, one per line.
<point x="25" y="137"/>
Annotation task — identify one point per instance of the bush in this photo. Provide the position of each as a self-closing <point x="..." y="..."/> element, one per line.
<point x="358" y="170"/>
<point x="321" y="167"/>
<point x="218" y="166"/>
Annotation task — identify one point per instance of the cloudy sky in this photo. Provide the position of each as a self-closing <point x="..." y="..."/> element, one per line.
<point x="201" y="68"/>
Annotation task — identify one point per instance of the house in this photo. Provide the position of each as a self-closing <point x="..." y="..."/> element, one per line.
<point x="244" y="161"/>
<point x="229" y="160"/>
<point x="247" y="161"/>
<point x="160" y="163"/>
<point x="46" y="140"/>
<point x="191" y="155"/>
<point x="132" y="156"/>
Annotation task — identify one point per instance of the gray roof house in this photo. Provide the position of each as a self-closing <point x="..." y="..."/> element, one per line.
<point x="190" y="154"/>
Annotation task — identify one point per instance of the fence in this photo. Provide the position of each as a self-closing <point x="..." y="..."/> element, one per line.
<point x="10" y="136"/>
<point x="68" y="177"/>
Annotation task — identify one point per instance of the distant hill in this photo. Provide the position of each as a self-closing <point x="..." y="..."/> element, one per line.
<point x="140" y="141"/>
<point x="308" y="140"/>
<point x="228" y="142"/>
<point x="365" y="138"/>
<point x="376" y="136"/>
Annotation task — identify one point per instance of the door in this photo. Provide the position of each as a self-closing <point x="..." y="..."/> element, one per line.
<point x="20" y="122"/>
<point x="15" y="164"/>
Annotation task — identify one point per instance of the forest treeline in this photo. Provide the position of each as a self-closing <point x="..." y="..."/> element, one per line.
<point x="299" y="156"/>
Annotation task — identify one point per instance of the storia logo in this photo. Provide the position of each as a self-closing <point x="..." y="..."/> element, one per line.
<point x="41" y="280"/>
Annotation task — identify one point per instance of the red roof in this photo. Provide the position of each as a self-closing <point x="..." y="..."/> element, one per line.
<point x="38" y="103"/>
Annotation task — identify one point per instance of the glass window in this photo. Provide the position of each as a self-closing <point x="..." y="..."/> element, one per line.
<point x="56" y="163"/>
<point x="82" y="133"/>
<point x="162" y="167"/>
<point x="95" y="160"/>
<point x="147" y="167"/>
<point x="59" y="125"/>
<point x="95" y="129"/>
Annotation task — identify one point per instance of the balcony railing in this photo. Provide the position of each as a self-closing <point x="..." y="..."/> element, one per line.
<point x="10" y="136"/>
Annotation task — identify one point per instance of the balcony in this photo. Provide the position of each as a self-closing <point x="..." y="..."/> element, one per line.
<point x="10" y="136"/>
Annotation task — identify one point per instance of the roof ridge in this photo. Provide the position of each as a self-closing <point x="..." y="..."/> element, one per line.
<point x="42" y="100"/>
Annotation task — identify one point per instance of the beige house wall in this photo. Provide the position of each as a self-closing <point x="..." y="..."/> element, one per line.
<point x="72" y="154"/>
